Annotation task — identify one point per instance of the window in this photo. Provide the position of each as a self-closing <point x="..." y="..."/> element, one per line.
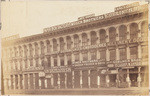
<point x="103" y="54"/>
<point x="76" y="57"/>
<point x="62" y="60"/>
<point x="69" y="59"/>
<point x="36" y="60"/>
<point x="112" y="55"/>
<point x="93" y="55"/>
<point x="55" y="61"/>
<point x="123" y="55"/>
<point x="61" y="44"/>
<point x="76" y="41"/>
<point x="69" y="42"/>
<point x="112" y="34"/>
<point x="93" y="38"/>
<point x="84" y="39"/>
<point x="133" y="52"/>
<point x="54" y="45"/>
<point x="102" y="36"/>
<point x="48" y="62"/>
<point x="122" y="32"/>
<point x="133" y="30"/>
<point x="85" y="56"/>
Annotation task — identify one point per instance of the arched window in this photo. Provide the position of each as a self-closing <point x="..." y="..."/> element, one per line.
<point x="69" y="42"/>
<point x="25" y="50"/>
<point x="84" y="39"/>
<point x="93" y="38"/>
<point x="122" y="32"/>
<point x="61" y="40"/>
<point x="62" y="60"/>
<point x="144" y="29"/>
<point x="69" y="60"/>
<point x="134" y="30"/>
<point x="42" y="47"/>
<point x="112" y="34"/>
<point x="54" y="45"/>
<point x="30" y="50"/>
<point x="76" y="41"/>
<point x="20" y="51"/>
<point x="48" y="46"/>
<point x="102" y="36"/>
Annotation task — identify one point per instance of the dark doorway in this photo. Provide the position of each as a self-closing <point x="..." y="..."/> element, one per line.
<point x="133" y="78"/>
<point x="112" y="78"/>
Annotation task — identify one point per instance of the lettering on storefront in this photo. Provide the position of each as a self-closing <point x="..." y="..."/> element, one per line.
<point x="58" y="70"/>
<point x="90" y="18"/>
<point x="41" y="74"/>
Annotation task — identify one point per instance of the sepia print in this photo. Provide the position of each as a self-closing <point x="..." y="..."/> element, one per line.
<point x="105" y="54"/>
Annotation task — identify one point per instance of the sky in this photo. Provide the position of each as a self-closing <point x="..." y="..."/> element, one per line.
<point x="31" y="17"/>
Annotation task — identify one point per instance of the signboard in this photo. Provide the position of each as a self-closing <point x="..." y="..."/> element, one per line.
<point x="41" y="74"/>
<point x="90" y="18"/>
<point x="58" y="70"/>
<point x="126" y="6"/>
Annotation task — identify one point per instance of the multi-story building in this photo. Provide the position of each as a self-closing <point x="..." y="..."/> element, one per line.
<point x="109" y="50"/>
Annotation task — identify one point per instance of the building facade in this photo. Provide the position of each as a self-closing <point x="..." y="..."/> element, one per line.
<point x="106" y="51"/>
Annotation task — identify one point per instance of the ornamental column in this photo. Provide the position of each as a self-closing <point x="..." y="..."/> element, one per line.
<point x="65" y="80"/>
<point x="128" y="79"/>
<point x="89" y="79"/>
<point x="139" y="77"/>
<point x="89" y="39"/>
<point x="81" y="79"/>
<point x="72" y="79"/>
<point x="80" y="39"/>
<point x="107" y="79"/>
<point x="98" y="81"/>
<point x="139" y="51"/>
<point x="58" y="82"/>
<point x="117" y="32"/>
<point x="98" y="54"/>
<point x="19" y="83"/>
<point x="107" y="35"/>
<point x="128" y="52"/>
<point x="65" y="60"/>
<point x="117" y="54"/>
<point x="139" y="26"/>
<point x="107" y="55"/>
<point x="117" y="79"/>
<point x="128" y="32"/>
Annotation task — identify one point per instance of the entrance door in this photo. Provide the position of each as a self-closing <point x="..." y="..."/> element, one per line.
<point x="133" y="78"/>
<point x="93" y="77"/>
<point x="55" y="76"/>
<point x="85" y="78"/>
<point x="62" y="80"/>
<point x="102" y="80"/>
<point x="77" y="79"/>
<point x="69" y="80"/>
<point x="112" y="78"/>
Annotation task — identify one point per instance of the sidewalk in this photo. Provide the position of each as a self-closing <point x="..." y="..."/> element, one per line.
<point x="84" y="91"/>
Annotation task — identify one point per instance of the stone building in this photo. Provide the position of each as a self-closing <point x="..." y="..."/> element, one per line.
<point x="109" y="50"/>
